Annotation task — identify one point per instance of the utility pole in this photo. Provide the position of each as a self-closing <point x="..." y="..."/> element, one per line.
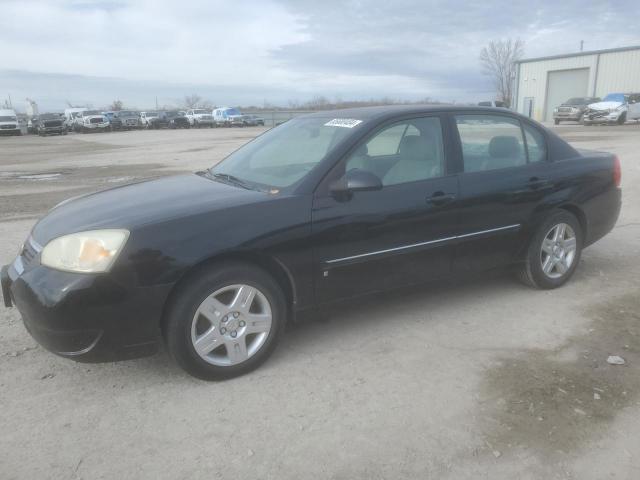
<point x="156" y="102"/>
<point x="581" y="45"/>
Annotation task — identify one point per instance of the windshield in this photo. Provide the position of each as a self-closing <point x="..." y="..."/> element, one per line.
<point x="151" y="114"/>
<point x="91" y="112"/>
<point x="285" y="154"/>
<point x="49" y="116"/>
<point x="615" y="97"/>
<point x="232" y="111"/>
<point x="200" y="111"/>
<point x="7" y="119"/>
<point x="127" y="113"/>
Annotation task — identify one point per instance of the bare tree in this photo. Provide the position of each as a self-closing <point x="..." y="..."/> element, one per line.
<point x="498" y="60"/>
<point x="192" y="101"/>
<point x="116" y="106"/>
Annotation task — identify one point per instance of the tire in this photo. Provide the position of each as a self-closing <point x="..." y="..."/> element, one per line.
<point x="622" y="118"/>
<point x="184" y="324"/>
<point x="537" y="261"/>
<point x="556" y="121"/>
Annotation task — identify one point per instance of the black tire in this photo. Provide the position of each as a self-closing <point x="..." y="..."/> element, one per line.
<point x="530" y="270"/>
<point x="556" y="121"/>
<point x="622" y="118"/>
<point x="190" y="295"/>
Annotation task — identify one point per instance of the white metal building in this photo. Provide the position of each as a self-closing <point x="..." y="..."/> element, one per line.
<point x="541" y="84"/>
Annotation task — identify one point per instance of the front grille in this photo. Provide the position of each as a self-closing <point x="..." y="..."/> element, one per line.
<point x="29" y="252"/>
<point x="131" y="121"/>
<point x="565" y="109"/>
<point x="53" y="123"/>
<point x="8" y="127"/>
<point x="95" y="120"/>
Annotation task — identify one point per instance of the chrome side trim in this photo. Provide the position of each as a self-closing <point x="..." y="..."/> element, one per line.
<point x="421" y="244"/>
<point x="391" y="250"/>
<point x="18" y="266"/>
<point x="508" y="227"/>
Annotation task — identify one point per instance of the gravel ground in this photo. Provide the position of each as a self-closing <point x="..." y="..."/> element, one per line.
<point x="481" y="378"/>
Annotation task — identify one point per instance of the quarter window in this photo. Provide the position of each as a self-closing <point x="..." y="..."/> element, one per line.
<point x="490" y="142"/>
<point x="536" y="146"/>
<point x="405" y="152"/>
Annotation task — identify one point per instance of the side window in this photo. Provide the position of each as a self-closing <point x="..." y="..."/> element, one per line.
<point x="405" y="152"/>
<point x="536" y="145"/>
<point x="490" y="142"/>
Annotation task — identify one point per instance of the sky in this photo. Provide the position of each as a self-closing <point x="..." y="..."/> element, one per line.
<point x="252" y="52"/>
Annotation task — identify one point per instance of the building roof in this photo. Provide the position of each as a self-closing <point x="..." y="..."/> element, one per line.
<point x="580" y="54"/>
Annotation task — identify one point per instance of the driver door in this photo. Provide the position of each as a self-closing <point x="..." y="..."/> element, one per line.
<point x="400" y="234"/>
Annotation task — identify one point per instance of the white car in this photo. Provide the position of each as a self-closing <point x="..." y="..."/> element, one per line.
<point x="91" y="121"/>
<point x="227" y="117"/>
<point x="199" y="117"/>
<point x="146" y="117"/>
<point x="614" y="108"/>
<point x="9" y="123"/>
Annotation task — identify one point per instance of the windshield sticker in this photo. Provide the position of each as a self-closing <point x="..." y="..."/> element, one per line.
<point x="343" y="122"/>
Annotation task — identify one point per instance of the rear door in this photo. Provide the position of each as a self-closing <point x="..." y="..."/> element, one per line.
<point x="505" y="177"/>
<point x="401" y="234"/>
<point x="633" y="112"/>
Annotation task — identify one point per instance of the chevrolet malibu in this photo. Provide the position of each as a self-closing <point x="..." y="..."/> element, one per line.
<point x="321" y="209"/>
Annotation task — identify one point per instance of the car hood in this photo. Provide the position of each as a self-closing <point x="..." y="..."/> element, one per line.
<point x="604" y="105"/>
<point x="140" y="204"/>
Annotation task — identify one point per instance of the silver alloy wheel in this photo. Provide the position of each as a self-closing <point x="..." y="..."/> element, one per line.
<point x="558" y="250"/>
<point x="231" y="325"/>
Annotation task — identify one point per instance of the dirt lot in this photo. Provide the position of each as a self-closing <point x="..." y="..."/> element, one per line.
<point x="482" y="378"/>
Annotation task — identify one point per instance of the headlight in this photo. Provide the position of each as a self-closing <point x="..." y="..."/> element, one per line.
<point x="86" y="252"/>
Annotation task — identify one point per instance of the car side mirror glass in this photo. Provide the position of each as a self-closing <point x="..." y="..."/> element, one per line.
<point x="356" y="181"/>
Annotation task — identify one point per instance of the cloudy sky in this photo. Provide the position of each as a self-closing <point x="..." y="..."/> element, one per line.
<point x="254" y="51"/>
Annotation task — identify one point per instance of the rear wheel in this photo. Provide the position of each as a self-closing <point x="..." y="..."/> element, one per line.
<point x="225" y="321"/>
<point x="622" y="118"/>
<point x="553" y="253"/>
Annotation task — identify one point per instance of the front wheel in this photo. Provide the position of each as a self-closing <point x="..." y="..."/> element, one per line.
<point x="556" y="121"/>
<point x="225" y="321"/>
<point x="553" y="253"/>
<point x="622" y="118"/>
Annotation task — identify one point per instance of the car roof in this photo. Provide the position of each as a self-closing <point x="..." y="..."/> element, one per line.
<point x="390" y="111"/>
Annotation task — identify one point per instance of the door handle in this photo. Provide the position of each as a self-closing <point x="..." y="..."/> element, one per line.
<point x="441" y="198"/>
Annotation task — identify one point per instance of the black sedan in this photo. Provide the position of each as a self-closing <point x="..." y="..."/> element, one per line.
<point x="321" y="209"/>
<point x="169" y="119"/>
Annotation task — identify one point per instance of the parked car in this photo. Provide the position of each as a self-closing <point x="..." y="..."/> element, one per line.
<point x="91" y="121"/>
<point x="171" y="119"/>
<point x="9" y="124"/>
<point x="227" y="117"/>
<point x="615" y="108"/>
<point x="50" y="123"/>
<point x="573" y="109"/>
<point x="199" y="117"/>
<point x="129" y="119"/>
<point x="115" y="123"/>
<point x="323" y="208"/>
<point x="252" y="120"/>
<point x="71" y="116"/>
<point x="146" y="117"/>
<point x="493" y="103"/>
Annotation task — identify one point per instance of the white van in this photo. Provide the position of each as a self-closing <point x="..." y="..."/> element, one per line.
<point x="227" y="117"/>
<point x="9" y="124"/>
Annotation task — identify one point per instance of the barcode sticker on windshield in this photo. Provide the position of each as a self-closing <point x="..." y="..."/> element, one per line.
<point x="343" y="122"/>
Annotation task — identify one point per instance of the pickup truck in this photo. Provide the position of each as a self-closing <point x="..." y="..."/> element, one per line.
<point x="323" y="208"/>
<point x="199" y="117"/>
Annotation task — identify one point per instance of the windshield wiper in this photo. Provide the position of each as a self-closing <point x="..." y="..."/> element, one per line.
<point x="233" y="180"/>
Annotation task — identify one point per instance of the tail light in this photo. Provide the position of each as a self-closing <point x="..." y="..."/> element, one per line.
<point x="617" y="171"/>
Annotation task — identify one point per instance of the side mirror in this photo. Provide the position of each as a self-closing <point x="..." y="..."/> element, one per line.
<point x="356" y="181"/>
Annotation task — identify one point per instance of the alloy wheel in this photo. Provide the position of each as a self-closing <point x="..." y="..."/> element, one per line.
<point x="231" y="325"/>
<point x="558" y="250"/>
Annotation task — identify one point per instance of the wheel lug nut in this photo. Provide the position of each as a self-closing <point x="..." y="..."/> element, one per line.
<point x="242" y="324"/>
<point x="223" y="330"/>
<point x="224" y="319"/>
<point x="234" y="334"/>
<point x="235" y="314"/>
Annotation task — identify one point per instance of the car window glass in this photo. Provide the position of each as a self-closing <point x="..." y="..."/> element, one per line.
<point x="408" y="151"/>
<point x="536" y="145"/>
<point x="490" y="142"/>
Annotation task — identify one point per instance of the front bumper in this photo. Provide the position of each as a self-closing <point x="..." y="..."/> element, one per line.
<point x="59" y="129"/>
<point x="89" y="318"/>
<point x="95" y="126"/>
<point x="567" y="116"/>
<point x="602" y="117"/>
